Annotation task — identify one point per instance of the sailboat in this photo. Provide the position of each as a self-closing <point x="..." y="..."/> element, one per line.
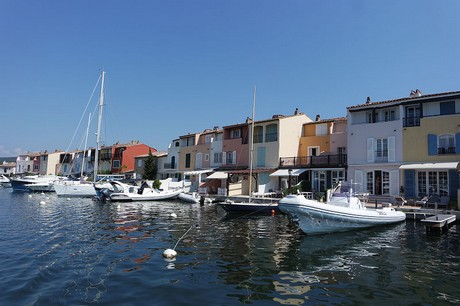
<point x="84" y="188"/>
<point x="250" y="206"/>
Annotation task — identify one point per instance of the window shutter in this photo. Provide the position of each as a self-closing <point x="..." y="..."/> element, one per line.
<point x="409" y="183"/>
<point x="432" y="144"/>
<point x="457" y="143"/>
<point x="370" y="150"/>
<point x="391" y="149"/>
<point x="394" y="182"/>
<point x="234" y="157"/>
<point x="224" y="158"/>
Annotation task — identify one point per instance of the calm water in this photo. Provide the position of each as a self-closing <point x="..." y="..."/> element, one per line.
<point x="80" y="252"/>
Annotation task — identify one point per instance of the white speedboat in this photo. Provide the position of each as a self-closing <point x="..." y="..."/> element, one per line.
<point x="78" y="188"/>
<point x="192" y="197"/>
<point x="124" y="192"/>
<point x="5" y="182"/>
<point x="342" y="212"/>
<point x="41" y="183"/>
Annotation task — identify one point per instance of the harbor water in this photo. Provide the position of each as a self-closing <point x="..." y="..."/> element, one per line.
<point x="61" y="251"/>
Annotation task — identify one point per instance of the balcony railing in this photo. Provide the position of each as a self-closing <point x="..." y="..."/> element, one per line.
<point x="411" y="121"/>
<point x="327" y="161"/>
<point x="169" y="165"/>
<point x="450" y="150"/>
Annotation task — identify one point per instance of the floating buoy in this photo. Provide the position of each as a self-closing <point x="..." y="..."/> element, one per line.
<point x="173" y="215"/>
<point x="169" y="253"/>
<point x="42" y="192"/>
<point x="30" y="195"/>
<point x="42" y="202"/>
<point x="68" y="199"/>
<point x="47" y="198"/>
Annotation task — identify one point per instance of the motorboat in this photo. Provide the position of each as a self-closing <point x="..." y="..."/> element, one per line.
<point x="343" y="211"/>
<point x="5" y="181"/>
<point x="241" y="207"/>
<point x="189" y="197"/>
<point x="35" y="183"/>
<point x="124" y="192"/>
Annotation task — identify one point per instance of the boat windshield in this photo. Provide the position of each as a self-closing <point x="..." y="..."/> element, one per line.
<point x="341" y="191"/>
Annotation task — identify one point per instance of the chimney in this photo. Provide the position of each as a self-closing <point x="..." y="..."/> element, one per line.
<point x="415" y="93"/>
<point x="318" y="118"/>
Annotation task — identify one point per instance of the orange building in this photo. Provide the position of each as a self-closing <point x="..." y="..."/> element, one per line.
<point x="123" y="156"/>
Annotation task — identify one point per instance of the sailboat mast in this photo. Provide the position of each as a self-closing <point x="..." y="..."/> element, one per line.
<point x="84" y="150"/>
<point x="98" y="133"/>
<point x="251" y="149"/>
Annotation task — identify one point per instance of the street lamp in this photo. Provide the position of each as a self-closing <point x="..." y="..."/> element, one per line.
<point x="289" y="180"/>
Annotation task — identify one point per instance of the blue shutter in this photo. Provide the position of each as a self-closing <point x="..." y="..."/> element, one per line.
<point x="432" y="144"/>
<point x="454" y="183"/>
<point x="457" y="143"/>
<point x="409" y="184"/>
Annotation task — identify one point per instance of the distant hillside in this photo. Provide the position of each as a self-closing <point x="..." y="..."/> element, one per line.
<point x="8" y="159"/>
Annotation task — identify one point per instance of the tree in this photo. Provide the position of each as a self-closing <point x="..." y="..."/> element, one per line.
<point x="150" y="167"/>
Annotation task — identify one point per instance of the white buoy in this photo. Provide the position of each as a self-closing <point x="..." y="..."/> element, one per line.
<point x="30" y="195"/>
<point x="47" y="198"/>
<point x="42" y="193"/>
<point x="173" y="215"/>
<point x="42" y="202"/>
<point x="169" y="253"/>
<point x="68" y="199"/>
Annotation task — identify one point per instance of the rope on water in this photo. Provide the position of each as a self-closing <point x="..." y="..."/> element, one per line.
<point x="182" y="237"/>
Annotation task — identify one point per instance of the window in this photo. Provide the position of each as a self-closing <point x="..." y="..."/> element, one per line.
<point x="389" y="115"/>
<point x="206" y="157"/>
<point x="438" y="183"/>
<point x="382" y="149"/>
<point x="446" y="144"/>
<point x="218" y="158"/>
<point x="370" y="182"/>
<point x="321" y="129"/>
<point x="337" y="176"/>
<point x="447" y="108"/>
<point x="271" y="133"/>
<point x="207" y="139"/>
<point x="385" y="183"/>
<point x="231" y="158"/>
<point x="313" y="151"/>
<point x="139" y="163"/>
<point x="187" y="160"/>
<point x="236" y="133"/>
<point x="116" y="164"/>
<point x="258" y="134"/>
<point x="412" y="116"/>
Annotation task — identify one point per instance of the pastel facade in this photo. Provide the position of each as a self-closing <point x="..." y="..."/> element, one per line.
<point x="431" y="146"/>
<point x="322" y="154"/>
<point x="123" y="156"/>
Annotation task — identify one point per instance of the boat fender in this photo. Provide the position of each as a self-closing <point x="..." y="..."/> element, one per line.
<point x="169" y="253"/>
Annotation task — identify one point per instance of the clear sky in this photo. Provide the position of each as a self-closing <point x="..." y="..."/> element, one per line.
<point x="178" y="67"/>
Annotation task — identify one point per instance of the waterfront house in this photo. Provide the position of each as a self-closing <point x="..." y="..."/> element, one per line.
<point x="431" y="145"/>
<point x="408" y="145"/>
<point x="8" y="166"/>
<point x="139" y="164"/>
<point x="28" y="163"/>
<point x="168" y="165"/>
<point x="123" y="156"/>
<point x="274" y="139"/>
<point x="322" y="155"/>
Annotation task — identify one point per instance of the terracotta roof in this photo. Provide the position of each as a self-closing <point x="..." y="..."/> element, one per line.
<point x="406" y="99"/>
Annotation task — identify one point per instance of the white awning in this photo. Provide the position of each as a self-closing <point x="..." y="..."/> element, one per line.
<point x="285" y="172"/>
<point x="431" y="166"/>
<point x="220" y="175"/>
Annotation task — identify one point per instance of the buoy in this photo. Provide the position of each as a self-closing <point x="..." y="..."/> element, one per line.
<point x="169" y="253"/>
<point x="42" y="192"/>
<point x="30" y="195"/>
<point x="42" y="202"/>
<point x="173" y="215"/>
<point x="47" y="198"/>
<point x="68" y="199"/>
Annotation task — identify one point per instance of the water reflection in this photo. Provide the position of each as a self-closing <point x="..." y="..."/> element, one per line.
<point x="81" y="252"/>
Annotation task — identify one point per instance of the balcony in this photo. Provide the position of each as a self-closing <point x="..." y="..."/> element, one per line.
<point x="449" y="150"/>
<point x="169" y="165"/>
<point x="411" y="121"/>
<point x="326" y="161"/>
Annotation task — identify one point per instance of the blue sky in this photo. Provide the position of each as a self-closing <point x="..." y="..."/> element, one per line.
<point x="175" y="67"/>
